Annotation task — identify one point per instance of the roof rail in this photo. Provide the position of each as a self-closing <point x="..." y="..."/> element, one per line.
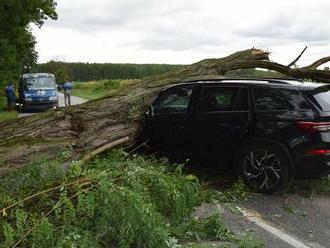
<point x="269" y="80"/>
<point x="277" y="81"/>
<point x="285" y="79"/>
<point x="264" y="79"/>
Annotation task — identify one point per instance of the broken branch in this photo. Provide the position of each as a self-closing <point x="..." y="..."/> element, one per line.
<point x="299" y="56"/>
<point x="101" y="149"/>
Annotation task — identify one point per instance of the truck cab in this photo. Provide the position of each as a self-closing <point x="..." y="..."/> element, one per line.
<point x="38" y="91"/>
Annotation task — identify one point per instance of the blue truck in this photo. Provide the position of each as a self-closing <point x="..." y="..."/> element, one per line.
<point x="37" y="91"/>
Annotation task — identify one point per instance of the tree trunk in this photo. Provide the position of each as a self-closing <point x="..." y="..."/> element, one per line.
<point x="94" y="124"/>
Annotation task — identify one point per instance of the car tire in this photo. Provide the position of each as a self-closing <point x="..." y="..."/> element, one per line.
<point x="264" y="167"/>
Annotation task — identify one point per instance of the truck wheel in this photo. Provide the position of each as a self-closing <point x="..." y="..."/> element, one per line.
<point x="265" y="168"/>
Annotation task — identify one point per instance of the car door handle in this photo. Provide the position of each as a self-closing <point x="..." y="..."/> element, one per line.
<point x="235" y="128"/>
<point x="229" y="127"/>
<point x="226" y="126"/>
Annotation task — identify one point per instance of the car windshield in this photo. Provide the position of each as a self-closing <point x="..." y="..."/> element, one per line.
<point x="39" y="83"/>
<point x="323" y="100"/>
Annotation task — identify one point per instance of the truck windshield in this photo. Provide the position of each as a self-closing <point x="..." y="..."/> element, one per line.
<point x="39" y="83"/>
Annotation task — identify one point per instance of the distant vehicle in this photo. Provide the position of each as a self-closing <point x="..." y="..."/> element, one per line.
<point x="267" y="130"/>
<point x="38" y="91"/>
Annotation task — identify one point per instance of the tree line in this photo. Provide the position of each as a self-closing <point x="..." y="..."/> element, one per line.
<point x="83" y="72"/>
<point x="95" y="71"/>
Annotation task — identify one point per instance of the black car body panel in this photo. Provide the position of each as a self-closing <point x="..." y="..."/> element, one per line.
<point x="211" y="120"/>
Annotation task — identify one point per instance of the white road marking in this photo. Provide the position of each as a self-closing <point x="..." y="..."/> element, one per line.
<point x="256" y="219"/>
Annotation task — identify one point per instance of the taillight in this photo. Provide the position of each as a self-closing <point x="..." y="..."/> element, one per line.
<point x="313" y="126"/>
<point x="318" y="152"/>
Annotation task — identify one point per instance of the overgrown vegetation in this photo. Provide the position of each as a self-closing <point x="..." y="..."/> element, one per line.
<point x="127" y="201"/>
<point x="115" y="200"/>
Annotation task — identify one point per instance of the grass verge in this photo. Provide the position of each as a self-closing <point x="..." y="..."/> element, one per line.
<point x="98" y="89"/>
<point x="4" y="114"/>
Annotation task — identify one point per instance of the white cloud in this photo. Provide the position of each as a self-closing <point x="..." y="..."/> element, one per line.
<point x="183" y="31"/>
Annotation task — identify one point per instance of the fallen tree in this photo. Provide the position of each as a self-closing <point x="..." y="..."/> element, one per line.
<point x="101" y="123"/>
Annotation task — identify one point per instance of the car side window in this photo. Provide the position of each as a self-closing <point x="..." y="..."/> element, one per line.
<point x="217" y="99"/>
<point x="296" y="99"/>
<point x="279" y="99"/>
<point x="270" y="99"/>
<point x="174" y="101"/>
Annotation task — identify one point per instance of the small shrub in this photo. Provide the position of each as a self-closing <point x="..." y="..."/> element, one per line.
<point x="211" y="228"/>
<point x="249" y="241"/>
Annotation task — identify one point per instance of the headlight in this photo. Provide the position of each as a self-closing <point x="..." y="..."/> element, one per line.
<point x="28" y="99"/>
<point x="53" y="98"/>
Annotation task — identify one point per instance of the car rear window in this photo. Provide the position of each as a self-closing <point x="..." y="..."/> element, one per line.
<point x="279" y="99"/>
<point x="270" y="99"/>
<point x="322" y="99"/>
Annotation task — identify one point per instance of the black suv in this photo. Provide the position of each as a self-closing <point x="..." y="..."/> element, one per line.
<point x="267" y="130"/>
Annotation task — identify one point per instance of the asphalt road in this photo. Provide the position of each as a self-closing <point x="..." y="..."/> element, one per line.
<point x="74" y="101"/>
<point x="303" y="216"/>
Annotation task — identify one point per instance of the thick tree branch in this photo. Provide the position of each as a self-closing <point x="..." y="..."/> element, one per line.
<point x="299" y="73"/>
<point x="317" y="63"/>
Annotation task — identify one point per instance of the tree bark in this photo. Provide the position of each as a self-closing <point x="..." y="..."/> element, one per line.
<point x="92" y="125"/>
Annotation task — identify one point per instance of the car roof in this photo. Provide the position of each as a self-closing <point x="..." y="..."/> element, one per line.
<point x="31" y="75"/>
<point x="258" y="82"/>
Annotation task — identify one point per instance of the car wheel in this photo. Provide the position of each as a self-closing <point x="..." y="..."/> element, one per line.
<point x="265" y="168"/>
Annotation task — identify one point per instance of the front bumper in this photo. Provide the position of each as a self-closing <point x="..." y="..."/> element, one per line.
<point x="40" y="105"/>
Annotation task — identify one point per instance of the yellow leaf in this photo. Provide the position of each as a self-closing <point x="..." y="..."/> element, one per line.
<point x="4" y="213"/>
<point x="191" y="177"/>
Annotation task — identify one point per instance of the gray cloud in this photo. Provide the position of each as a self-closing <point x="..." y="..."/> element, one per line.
<point x="149" y="28"/>
<point x="305" y="25"/>
<point x="124" y="13"/>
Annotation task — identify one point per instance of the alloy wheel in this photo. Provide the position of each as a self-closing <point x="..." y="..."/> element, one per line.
<point x="262" y="169"/>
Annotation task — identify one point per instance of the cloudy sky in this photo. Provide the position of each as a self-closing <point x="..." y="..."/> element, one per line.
<point x="183" y="31"/>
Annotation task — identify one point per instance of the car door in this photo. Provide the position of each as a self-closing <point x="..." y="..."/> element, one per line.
<point x="164" y="126"/>
<point x="218" y="122"/>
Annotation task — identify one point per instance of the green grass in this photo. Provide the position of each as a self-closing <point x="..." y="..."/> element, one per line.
<point x="98" y="89"/>
<point x="4" y="114"/>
